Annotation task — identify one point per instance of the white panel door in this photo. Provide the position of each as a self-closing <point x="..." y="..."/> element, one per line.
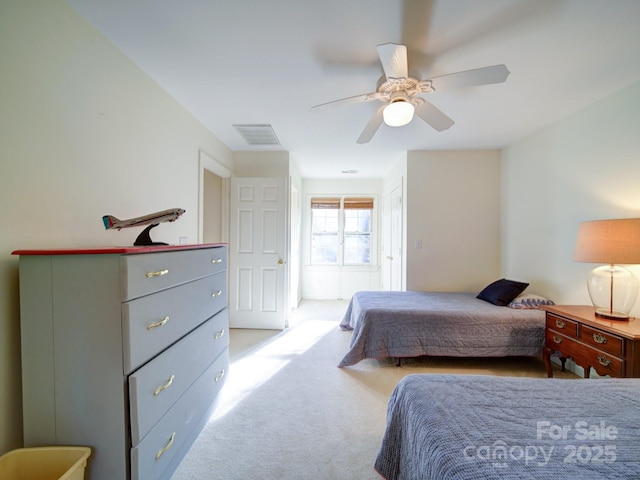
<point x="386" y="243"/>
<point x="258" y="253"/>
<point x="396" y="239"/>
<point x="392" y="239"/>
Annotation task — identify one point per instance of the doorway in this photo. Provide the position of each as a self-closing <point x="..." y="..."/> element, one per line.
<point x="213" y="200"/>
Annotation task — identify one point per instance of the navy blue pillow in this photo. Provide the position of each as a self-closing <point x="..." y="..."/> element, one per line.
<point x="502" y="291"/>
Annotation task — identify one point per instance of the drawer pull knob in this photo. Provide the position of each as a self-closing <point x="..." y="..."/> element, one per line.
<point x="166" y="385"/>
<point x="216" y="260"/>
<point x="599" y="338"/>
<point x="157" y="324"/>
<point x="557" y="339"/>
<point x="560" y="323"/>
<point x="166" y="447"/>
<point x="219" y="334"/>
<point x="159" y="273"/>
<point x="216" y="294"/>
<point x="604" y="360"/>
<point x="220" y="375"/>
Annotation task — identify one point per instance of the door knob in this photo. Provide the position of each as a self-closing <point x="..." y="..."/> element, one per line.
<point x="280" y="262"/>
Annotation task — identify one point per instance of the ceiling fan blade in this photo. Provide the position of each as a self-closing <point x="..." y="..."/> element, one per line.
<point x="344" y="101"/>
<point x="470" y="78"/>
<point x="433" y="116"/>
<point x="372" y="127"/>
<point x="393" y="58"/>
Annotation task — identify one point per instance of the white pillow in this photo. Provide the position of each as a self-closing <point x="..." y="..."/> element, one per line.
<point x="529" y="300"/>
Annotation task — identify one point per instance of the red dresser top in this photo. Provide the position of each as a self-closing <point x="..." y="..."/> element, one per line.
<point x="114" y="250"/>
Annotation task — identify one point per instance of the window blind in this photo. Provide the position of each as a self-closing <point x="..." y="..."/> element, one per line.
<point x="358" y="203"/>
<point x="333" y="203"/>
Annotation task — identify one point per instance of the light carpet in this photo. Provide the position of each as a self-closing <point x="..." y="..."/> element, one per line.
<point x="288" y="413"/>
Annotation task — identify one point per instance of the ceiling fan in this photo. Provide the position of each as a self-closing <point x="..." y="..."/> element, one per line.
<point x="400" y="92"/>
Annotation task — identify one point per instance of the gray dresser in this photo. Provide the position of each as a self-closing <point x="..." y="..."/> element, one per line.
<point x="124" y="350"/>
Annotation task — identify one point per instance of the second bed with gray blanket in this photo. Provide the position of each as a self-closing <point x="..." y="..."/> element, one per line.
<point x="411" y="324"/>
<point x="473" y="427"/>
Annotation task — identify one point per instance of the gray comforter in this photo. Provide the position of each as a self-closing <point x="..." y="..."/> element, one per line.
<point x="446" y="427"/>
<point x="410" y="324"/>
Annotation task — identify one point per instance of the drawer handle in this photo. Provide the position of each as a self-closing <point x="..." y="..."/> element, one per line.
<point x="220" y="375"/>
<point x="560" y="323"/>
<point x="157" y="324"/>
<point x="604" y="360"/>
<point x="166" y="447"/>
<point x="216" y="260"/>
<point x="557" y="339"/>
<point x="166" y="385"/>
<point x="159" y="273"/>
<point x="219" y="334"/>
<point x="599" y="338"/>
<point x="216" y="294"/>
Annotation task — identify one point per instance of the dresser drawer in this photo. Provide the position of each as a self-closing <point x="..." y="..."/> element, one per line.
<point x="152" y="323"/>
<point x="148" y="273"/>
<point x="150" y="458"/>
<point x="559" y="342"/>
<point x="585" y="355"/>
<point x="156" y="386"/>
<point x="563" y="325"/>
<point x="606" y="342"/>
<point x="603" y="363"/>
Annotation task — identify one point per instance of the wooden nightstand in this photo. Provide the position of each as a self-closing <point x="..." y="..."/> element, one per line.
<point x="610" y="347"/>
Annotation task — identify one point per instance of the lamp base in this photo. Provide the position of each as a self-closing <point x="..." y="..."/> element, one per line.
<point x="612" y="315"/>
<point x="613" y="290"/>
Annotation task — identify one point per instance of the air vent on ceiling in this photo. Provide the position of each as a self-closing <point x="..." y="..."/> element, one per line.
<point x="258" y="134"/>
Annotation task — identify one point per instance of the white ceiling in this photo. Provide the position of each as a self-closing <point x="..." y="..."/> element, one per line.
<point x="269" y="61"/>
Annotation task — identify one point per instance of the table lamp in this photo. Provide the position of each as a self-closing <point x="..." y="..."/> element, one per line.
<point x="613" y="289"/>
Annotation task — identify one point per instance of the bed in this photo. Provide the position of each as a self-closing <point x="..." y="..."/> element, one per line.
<point x="455" y="427"/>
<point x="411" y="324"/>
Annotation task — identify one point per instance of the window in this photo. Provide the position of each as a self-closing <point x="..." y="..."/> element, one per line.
<point x="341" y="231"/>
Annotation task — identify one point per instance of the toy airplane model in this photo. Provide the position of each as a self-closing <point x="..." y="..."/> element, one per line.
<point x="153" y="220"/>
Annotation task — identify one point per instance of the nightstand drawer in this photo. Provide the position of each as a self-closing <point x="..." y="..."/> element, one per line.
<point x="558" y="342"/>
<point x="606" y="342"/>
<point x="603" y="363"/>
<point x="563" y="325"/>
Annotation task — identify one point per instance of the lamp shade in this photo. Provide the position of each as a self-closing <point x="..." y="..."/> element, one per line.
<point x="398" y="113"/>
<point x="609" y="241"/>
<point x="613" y="289"/>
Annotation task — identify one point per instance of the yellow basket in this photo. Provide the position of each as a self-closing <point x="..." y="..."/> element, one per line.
<point x="44" y="463"/>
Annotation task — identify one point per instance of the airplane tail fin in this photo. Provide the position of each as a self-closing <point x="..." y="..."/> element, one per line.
<point x="109" y="221"/>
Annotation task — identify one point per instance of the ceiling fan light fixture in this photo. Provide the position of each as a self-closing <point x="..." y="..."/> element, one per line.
<point x="398" y="113"/>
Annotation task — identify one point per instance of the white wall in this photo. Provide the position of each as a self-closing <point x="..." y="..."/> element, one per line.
<point x="83" y="132"/>
<point x="261" y="164"/>
<point x="585" y="167"/>
<point x="453" y="209"/>
<point x="396" y="175"/>
<point x="338" y="282"/>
